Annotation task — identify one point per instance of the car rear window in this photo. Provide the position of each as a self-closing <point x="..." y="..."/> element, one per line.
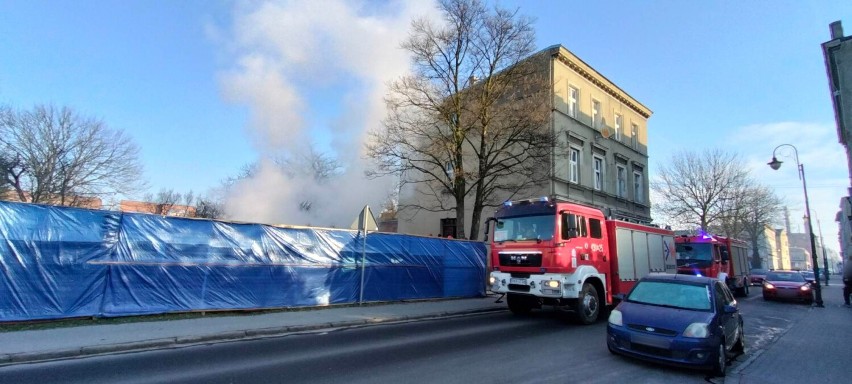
<point x="671" y="294"/>
<point x="785" y="276"/>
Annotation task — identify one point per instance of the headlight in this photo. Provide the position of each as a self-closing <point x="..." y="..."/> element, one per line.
<point x="768" y="286"/>
<point x="550" y="284"/>
<point x="492" y="280"/>
<point x="615" y="318"/>
<point x="805" y="287"/>
<point x="697" y="330"/>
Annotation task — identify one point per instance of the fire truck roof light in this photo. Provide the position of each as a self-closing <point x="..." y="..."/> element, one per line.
<point x="507" y="203"/>
<point x="543" y="199"/>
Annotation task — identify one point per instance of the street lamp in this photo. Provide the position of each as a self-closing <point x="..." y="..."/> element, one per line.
<point x="775" y="164"/>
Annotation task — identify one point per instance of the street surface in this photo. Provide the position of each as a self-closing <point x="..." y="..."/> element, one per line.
<point x="494" y="348"/>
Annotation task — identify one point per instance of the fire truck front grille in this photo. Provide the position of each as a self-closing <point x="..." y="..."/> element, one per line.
<point x="520" y="259"/>
<point x="519" y="288"/>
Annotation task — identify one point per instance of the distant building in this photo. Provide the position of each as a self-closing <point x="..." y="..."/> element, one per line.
<point x="175" y="210"/>
<point x="388" y="221"/>
<point x="68" y="201"/>
<point x="603" y="156"/>
<point x="838" y="65"/>
<point x="800" y="259"/>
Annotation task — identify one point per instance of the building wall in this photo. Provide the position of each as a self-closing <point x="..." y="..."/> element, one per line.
<point x="783" y="243"/>
<point x="175" y="210"/>
<point x="598" y="135"/>
<point x="592" y="137"/>
<point x="72" y="201"/>
<point x="768" y="249"/>
<point x="837" y="53"/>
<point x="799" y="259"/>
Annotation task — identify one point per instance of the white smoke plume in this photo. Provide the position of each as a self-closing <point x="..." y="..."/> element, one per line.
<point x="308" y="70"/>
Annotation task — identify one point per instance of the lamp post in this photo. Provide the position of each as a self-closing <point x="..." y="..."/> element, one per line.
<point x="775" y="164"/>
<point x="824" y="255"/>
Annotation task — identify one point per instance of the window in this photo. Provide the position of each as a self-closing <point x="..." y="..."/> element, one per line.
<point x="595" y="228"/>
<point x="637" y="187"/>
<point x="617" y="126"/>
<point x="621" y="180"/>
<point x="598" y="169"/>
<point x="448" y="227"/>
<point x="573" y="95"/>
<point x="580" y="224"/>
<point x="634" y="136"/>
<point x="596" y="114"/>
<point x="574" y="165"/>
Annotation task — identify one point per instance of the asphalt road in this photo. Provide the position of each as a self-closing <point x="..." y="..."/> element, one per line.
<point x="494" y="348"/>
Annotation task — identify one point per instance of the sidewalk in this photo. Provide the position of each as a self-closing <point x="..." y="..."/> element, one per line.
<point x="29" y="346"/>
<point x="816" y="349"/>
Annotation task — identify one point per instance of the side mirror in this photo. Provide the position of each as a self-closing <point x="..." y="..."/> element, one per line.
<point x="730" y="309"/>
<point x="569" y="226"/>
<point x="488" y="227"/>
<point x="725" y="256"/>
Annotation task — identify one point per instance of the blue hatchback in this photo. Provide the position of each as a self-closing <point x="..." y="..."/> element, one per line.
<point x="682" y="320"/>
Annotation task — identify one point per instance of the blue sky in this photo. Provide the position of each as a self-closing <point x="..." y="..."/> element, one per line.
<point x="207" y="86"/>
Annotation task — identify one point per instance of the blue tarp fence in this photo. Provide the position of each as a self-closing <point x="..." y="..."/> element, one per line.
<point x="58" y="262"/>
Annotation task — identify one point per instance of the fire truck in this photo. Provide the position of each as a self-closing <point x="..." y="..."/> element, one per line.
<point x="715" y="256"/>
<point x="570" y="256"/>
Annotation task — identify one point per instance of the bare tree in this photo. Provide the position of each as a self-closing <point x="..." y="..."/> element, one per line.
<point x="188" y="201"/>
<point x="164" y="201"/>
<point x="698" y="189"/>
<point x="209" y="209"/>
<point x="60" y="157"/>
<point x="754" y="207"/>
<point x="470" y="122"/>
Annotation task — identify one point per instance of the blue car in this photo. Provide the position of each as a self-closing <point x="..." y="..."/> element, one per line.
<point x="681" y="320"/>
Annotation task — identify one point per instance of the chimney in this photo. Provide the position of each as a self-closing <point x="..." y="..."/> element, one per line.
<point x="787" y="219"/>
<point x="836" y="30"/>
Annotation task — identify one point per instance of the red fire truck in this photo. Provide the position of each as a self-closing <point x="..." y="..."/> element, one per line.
<point x="570" y="256"/>
<point x="715" y="256"/>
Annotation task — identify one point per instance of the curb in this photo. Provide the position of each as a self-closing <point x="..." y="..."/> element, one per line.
<point x="184" y="341"/>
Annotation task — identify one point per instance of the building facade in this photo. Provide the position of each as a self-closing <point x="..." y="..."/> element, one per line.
<point x="601" y="155"/>
<point x="838" y="65"/>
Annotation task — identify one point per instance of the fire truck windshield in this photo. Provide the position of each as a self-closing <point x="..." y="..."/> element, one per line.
<point x="537" y="227"/>
<point x="694" y="254"/>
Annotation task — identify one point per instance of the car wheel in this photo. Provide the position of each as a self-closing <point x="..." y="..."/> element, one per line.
<point x="588" y="305"/>
<point x="519" y="304"/>
<point x="721" y="364"/>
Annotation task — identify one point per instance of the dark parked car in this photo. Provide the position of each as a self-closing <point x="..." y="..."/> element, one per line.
<point x="787" y="285"/>
<point x="809" y="276"/>
<point x="680" y="320"/>
<point x="757" y="275"/>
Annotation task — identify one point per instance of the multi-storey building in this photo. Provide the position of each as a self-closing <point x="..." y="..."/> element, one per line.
<point x="838" y="64"/>
<point x="601" y="156"/>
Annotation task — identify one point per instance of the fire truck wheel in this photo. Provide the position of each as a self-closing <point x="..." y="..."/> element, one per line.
<point x="519" y="304"/>
<point x="588" y="305"/>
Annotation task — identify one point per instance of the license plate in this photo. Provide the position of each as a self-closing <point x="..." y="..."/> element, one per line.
<point x="518" y="281"/>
